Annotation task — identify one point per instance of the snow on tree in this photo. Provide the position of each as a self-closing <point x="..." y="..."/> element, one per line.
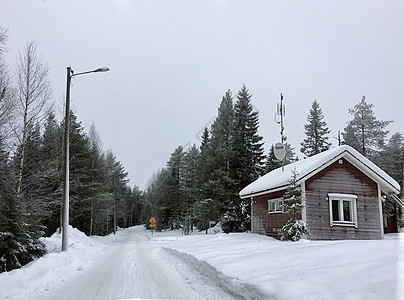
<point x="316" y="131"/>
<point x="295" y="228"/>
<point x="364" y="132"/>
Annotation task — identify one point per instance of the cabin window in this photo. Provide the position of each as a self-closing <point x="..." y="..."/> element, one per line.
<point x="343" y="210"/>
<point x="275" y="205"/>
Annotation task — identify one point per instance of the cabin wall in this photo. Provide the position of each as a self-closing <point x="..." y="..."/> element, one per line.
<point x="262" y="221"/>
<point x="342" y="177"/>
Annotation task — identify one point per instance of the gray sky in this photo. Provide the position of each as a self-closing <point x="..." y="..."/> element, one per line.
<point x="172" y="61"/>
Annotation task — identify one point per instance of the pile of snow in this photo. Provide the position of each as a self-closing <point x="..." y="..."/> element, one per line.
<point x="210" y="266"/>
<point x="53" y="269"/>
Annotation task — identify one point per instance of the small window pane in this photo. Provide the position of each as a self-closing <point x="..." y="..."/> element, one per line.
<point x="271" y="205"/>
<point x="335" y="210"/>
<point x="280" y="204"/>
<point x="347" y="211"/>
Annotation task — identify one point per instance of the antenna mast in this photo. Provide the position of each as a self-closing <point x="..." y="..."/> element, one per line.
<point x="281" y="113"/>
<point x="279" y="148"/>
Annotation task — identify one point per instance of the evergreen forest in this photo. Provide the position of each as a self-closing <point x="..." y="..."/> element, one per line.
<point x="197" y="189"/>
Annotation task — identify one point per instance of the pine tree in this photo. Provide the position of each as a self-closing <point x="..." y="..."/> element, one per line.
<point x="364" y="132"/>
<point x="295" y="228"/>
<point x="392" y="157"/>
<point x="316" y="131"/>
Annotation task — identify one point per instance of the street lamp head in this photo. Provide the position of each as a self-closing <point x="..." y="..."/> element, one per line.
<point x="103" y="69"/>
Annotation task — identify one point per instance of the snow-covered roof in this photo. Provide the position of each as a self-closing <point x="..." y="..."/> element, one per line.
<point x="279" y="179"/>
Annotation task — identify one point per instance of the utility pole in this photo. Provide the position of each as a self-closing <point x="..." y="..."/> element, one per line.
<point x="114" y="210"/>
<point x="65" y="206"/>
<point x="65" y="214"/>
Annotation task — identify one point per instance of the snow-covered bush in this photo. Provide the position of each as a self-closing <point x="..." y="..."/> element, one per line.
<point x="294" y="230"/>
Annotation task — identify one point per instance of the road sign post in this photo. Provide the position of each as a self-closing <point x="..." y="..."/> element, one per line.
<point x="152" y="224"/>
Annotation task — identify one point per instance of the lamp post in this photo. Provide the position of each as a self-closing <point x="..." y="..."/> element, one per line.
<point x="65" y="215"/>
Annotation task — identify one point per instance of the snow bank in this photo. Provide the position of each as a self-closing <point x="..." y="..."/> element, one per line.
<point x="53" y="269"/>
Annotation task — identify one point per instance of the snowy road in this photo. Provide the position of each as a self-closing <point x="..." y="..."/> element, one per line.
<point x="131" y="266"/>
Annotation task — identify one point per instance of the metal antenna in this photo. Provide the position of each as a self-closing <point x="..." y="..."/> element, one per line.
<point x="281" y="112"/>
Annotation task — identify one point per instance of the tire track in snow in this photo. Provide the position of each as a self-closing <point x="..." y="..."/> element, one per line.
<point x="207" y="281"/>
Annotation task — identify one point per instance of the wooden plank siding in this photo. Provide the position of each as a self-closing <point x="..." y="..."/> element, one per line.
<point x="343" y="178"/>
<point x="264" y="223"/>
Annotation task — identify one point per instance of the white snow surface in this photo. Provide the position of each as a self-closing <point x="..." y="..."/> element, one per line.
<point x="311" y="165"/>
<point x="134" y="264"/>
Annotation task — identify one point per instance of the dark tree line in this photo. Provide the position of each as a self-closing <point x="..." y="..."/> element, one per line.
<point x="31" y="168"/>
<point x="201" y="185"/>
<point x="99" y="195"/>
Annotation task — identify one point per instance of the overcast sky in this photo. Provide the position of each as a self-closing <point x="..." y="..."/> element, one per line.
<point x="172" y="61"/>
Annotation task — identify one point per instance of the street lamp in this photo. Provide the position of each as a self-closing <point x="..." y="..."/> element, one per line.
<point x="65" y="215"/>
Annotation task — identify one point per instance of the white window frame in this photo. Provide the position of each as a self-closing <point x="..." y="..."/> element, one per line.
<point x="341" y="198"/>
<point x="275" y="206"/>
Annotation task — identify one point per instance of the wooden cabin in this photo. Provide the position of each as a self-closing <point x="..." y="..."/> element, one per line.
<point x="344" y="196"/>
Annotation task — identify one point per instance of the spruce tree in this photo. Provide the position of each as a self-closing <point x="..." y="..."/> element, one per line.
<point x="50" y="189"/>
<point x="295" y="228"/>
<point x="19" y="239"/>
<point x="316" y="131"/>
<point x="204" y="161"/>
<point x="221" y="183"/>
<point x="115" y="184"/>
<point x="247" y="164"/>
<point x="191" y="186"/>
<point x="80" y="176"/>
<point x="247" y="145"/>
<point x="364" y="132"/>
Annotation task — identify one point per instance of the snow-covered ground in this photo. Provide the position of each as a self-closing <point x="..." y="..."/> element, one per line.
<point x="134" y="264"/>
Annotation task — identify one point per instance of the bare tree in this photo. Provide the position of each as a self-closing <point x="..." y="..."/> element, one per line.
<point x="33" y="96"/>
<point x="5" y="88"/>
